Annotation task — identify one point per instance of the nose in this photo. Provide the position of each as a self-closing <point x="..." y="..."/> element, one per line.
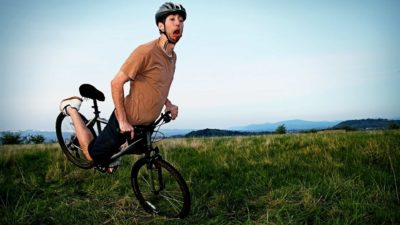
<point x="178" y="22"/>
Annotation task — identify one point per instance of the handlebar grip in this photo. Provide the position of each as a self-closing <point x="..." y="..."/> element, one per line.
<point x="167" y="117"/>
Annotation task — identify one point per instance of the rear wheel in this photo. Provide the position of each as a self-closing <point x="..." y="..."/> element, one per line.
<point x="70" y="146"/>
<point x="160" y="188"/>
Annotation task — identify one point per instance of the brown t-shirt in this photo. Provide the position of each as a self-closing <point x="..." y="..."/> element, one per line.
<point x="151" y="72"/>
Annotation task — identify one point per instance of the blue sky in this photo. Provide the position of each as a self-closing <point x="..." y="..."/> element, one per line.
<point x="239" y="62"/>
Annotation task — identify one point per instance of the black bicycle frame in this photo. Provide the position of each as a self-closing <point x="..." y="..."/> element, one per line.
<point x="148" y="130"/>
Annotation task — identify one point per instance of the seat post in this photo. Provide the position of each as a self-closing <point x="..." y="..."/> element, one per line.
<point x="97" y="114"/>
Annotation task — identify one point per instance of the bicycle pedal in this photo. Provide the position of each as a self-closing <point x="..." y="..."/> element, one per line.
<point x="100" y="169"/>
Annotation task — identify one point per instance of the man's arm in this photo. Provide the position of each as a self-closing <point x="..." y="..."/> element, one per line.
<point x="172" y="108"/>
<point x="117" y="92"/>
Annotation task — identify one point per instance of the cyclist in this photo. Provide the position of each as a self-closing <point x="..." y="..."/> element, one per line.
<point x="149" y="70"/>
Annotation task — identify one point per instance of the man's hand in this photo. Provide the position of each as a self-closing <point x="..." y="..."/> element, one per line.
<point x="126" y="127"/>
<point x="173" y="109"/>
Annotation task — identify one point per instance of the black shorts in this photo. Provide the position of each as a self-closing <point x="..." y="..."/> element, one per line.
<point x="107" y="143"/>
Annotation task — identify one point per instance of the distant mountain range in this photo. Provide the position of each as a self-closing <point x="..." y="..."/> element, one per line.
<point x="265" y="128"/>
<point x="175" y="132"/>
<point x="49" y="136"/>
<point x="291" y="125"/>
<point x="299" y="126"/>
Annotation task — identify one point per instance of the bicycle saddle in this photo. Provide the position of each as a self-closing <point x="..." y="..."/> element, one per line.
<point x="89" y="91"/>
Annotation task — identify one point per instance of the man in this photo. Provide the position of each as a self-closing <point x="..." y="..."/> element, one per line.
<point x="150" y="70"/>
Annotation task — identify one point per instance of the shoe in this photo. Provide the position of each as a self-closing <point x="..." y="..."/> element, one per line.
<point x="74" y="102"/>
<point x="115" y="163"/>
<point x="111" y="168"/>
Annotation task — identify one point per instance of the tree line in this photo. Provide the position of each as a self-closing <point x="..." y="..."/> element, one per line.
<point x="13" y="138"/>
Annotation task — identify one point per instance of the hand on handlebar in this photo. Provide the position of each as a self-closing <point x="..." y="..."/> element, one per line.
<point x="125" y="127"/>
<point x="173" y="109"/>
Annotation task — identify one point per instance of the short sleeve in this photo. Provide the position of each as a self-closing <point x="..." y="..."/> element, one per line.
<point x="134" y="64"/>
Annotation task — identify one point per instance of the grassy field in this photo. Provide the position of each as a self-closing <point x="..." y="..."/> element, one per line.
<point x="321" y="178"/>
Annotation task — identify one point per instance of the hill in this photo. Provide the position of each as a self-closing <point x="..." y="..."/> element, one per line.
<point x="216" y="133"/>
<point x="367" y="124"/>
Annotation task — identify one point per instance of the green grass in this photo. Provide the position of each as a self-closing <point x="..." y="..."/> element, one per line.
<point x="322" y="178"/>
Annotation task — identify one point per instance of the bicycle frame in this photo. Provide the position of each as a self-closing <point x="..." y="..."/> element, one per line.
<point x="148" y="130"/>
<point x="97" y="120"/>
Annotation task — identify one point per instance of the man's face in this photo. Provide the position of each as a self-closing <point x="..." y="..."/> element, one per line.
<point x="173" y="27"/>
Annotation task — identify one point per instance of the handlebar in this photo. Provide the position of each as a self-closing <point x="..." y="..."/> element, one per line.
<point x="166" y="117"/>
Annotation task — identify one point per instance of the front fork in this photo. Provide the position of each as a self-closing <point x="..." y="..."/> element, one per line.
<point x="157" y="183"/>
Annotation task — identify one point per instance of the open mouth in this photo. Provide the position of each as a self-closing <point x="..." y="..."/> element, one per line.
<point x="177" y="32"/>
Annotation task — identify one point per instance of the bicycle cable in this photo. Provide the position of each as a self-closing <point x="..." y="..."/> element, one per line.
<point x="158" y="132"/>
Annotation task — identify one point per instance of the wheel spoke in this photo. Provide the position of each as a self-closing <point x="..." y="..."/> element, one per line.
<point x="173" y="200"/>
<point x="175" y="203"/>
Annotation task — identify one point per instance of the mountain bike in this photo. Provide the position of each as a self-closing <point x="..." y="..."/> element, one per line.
<point x="158" y="186"/>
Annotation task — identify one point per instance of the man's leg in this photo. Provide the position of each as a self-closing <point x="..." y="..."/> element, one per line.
<point x="70" y="107"/>
<point x="82" y="132"/>
<point x="107" y="142"/>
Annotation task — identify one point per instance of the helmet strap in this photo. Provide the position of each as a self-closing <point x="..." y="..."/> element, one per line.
<point x="165" y="46"/>
<point x="169" y="40"/>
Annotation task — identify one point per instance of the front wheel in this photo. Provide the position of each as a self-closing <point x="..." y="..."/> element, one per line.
<point x="160" y="189"/>
<point x="70" y="146"/>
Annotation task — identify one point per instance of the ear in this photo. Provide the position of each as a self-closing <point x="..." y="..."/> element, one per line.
<point x="161" y="27"/>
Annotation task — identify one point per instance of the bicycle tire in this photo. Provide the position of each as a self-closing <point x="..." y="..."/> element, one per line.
<point x="69" y="143"/>
<point x="173" y="201"/>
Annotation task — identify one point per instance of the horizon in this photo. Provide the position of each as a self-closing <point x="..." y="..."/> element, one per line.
<point x="241" y="63"/>
<point x="238" y="127"/>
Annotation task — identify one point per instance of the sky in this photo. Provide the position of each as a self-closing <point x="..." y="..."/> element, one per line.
<point x="239" y="62"/>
